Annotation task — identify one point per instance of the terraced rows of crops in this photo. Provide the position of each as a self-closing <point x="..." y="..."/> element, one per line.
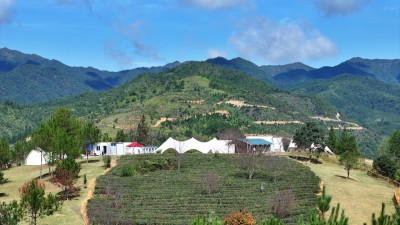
<point x="176" y="197"/>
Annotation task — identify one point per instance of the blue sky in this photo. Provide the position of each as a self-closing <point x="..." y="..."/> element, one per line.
<point x="121" y="34"/>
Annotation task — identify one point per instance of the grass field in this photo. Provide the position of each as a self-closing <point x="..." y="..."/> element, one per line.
<point x="360" y="196"/>
<point x="71" y="210"/>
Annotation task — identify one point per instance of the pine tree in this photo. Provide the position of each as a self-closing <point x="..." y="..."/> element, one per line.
<point x="331" y="143"/>
<point x="142" y="131"/>
<point x="5" y="153"/>
<point x="348" y="151"/>
<point x="120" y="137"/>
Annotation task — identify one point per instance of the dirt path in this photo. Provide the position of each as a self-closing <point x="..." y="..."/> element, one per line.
<point x="278" y="122"/>
<point x="239" y="104"/>
<point x="163" y="119"/>
<point x="91" y="186"/>
<point x="353" y="126"/>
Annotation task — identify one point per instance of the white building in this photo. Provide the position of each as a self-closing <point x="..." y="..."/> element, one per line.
<point x="122" y="148"/>
<point x="277" y="144"/>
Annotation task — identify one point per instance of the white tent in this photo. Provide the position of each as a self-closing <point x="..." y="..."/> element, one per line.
<point x="328" y="150"/>
<point x="214" y="145"/>
<point x="36" y="157"/>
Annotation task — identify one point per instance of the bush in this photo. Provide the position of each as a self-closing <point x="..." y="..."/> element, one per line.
<point x="127" y="171"/>
<point x="107" y="161"/>
<point x="2" y="179"/>
<point x="282" y="202"/>
<point x="240" y="218"/>
<point x="385" y="165"/>
<point x="397" y="175"/>
<point x="210" y="219"/>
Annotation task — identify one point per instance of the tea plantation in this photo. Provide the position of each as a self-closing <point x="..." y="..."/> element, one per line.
<point x="148" y="189"/>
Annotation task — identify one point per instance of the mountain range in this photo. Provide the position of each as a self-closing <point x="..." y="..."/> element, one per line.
<point x="201" y="98"/>
<point x="29" y="78"/>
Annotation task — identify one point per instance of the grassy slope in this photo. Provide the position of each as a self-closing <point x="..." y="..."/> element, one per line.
<point x="360" y="196"/>
<point x="70" y="213"/>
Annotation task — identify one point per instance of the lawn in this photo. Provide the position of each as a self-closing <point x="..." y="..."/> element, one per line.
<point x="71" y="210"/>
<point x="169" y="196"/>
<point x="360" y="196"/>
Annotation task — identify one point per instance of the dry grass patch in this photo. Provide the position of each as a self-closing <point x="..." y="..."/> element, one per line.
<point x="71" y="209"/>
<point x="360" y="196"/>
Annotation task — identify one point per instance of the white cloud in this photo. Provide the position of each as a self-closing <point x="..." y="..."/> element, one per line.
<point x="6" y="12"/>
<point x="213" y="53"/>
<point x="114" y="51"/>
<point x="280" y="42"/>
<point x="339" y="7"/>
<point x="134" y="31"/>
<point x="213" y="4"/>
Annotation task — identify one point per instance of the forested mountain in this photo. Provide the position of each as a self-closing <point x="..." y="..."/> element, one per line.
<point x="28" y="78"/>
<point x="198" y="97"/>
<point x="283" y="76"/>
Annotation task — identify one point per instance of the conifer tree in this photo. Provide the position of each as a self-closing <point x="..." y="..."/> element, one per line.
<point x="142" y="131"/>
<point x="331" y="142"/>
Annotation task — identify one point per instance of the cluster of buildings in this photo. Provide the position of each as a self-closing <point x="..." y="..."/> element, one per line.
<point x="260" y="143"/>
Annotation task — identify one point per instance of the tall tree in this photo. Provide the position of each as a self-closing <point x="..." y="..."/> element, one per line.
<point x="61" y="135"/>
<point x="142" y="131"/>
<point x="349" y="153"/>
<point x="34" y="202"/>
<point x="343" y="144"/>
<point x="331" y="142"/>
<point x="5" y="153"/>
<point x="308" y="134"/>
<point x="120" y="137"/>
<point x="394" y="144"/>
<point x="92" y="135"/>
<point x="22" y="149"/>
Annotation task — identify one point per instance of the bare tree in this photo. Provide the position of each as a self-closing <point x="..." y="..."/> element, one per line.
<point x="209" y="182"/>
<point x="274" y="165"/>
<point x="179" y="154"/>
<point x="232" y="134"/>
<point x="281" y="203"/>
<point x="248" y="159"/>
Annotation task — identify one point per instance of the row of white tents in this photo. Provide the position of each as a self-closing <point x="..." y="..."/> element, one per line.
<point x="213" y="146"/>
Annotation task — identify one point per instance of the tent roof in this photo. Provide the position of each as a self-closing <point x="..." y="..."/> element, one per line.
<point x="134" y="144"/>
<point x="255" y="141"/>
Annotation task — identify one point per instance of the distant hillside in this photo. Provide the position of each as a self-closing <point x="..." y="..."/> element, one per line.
<point x="28" y="78"/>
<point x="385" y="70"/>
<point x="375" y="104"/>
<point x="200" y="98"/>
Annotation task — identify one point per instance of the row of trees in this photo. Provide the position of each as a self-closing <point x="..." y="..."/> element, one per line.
<point x="345" y="146"/>
<point x="388" y="161"/>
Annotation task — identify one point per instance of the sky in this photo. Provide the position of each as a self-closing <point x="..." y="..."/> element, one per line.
<point x="120" y="34"/>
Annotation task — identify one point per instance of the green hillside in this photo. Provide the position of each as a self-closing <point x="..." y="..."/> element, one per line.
<point x="195" y="95"/>
<point x="28" y="79"/>
<point x="375" y="104"/>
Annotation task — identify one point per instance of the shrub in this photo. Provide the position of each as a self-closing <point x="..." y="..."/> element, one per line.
<point x="107" y="161"/>
<point x="210" y="219"/>
<point x="84" y="180"/>
<point x="66" y="173"/>
<point x="282" y="202"/>
<point x="240" y="218"/>
<point x="2" y="179"/>
<point x="127" y="171"/>
<point x="385" y="165"/>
